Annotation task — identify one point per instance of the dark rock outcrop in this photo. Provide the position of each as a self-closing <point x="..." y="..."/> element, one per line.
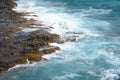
<point x="17" y="46"/>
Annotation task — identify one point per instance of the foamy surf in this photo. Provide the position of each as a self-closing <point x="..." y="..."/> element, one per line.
<point x="110" y="74"/>
<point x="93" y="11"/>
<point x="22" y="65"/>
<point x="67" y="76"/>
<point x="54" y="55"/>
<point x="62" y="22"/>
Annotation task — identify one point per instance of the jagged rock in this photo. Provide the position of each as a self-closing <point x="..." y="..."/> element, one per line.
<point x="17" y="46"/>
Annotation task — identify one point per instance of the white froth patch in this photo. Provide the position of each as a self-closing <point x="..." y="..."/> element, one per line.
<point x="110" y="74"/>
<point x="54" y="55"/>
<point x="64" y="46"/>
<point x="24" y="6"/>
<point x="66" y="76"/>
<point x="92" y="73"/>
<point x="29" y="29"/>
<point x="22" y="65"/>
<point x="93" y="11"/>
<point x="67" y="52"/>
<point x="107" y="54"/>
<point x="110" y="57"/>
<point x="61" y="22"/>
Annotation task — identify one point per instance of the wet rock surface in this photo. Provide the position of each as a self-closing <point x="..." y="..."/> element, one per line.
<point x="17" y="46"/>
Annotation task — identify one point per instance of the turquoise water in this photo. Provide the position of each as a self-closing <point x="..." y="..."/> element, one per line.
<point x="94" y="56"/>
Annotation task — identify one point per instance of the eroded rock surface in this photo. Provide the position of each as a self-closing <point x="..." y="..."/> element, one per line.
<point x="17" y="46"/>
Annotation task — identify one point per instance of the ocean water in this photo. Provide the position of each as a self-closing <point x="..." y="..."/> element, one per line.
<point x="95" y="55"/>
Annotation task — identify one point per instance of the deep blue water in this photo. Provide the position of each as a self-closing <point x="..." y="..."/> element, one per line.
<point x="95" y="56"/>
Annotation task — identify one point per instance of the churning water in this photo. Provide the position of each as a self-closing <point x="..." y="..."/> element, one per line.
<point x="94" y="56"/>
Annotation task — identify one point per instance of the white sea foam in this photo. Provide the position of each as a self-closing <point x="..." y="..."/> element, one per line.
<point x="24" y="6"/>
<point x="59" y="21"/>
<point x="59" y="54"/>
<point x="66" y="76"/>
<point x="111" y="57"/>
<point x="92" y="73"/>
<point x="67" y="52"/>
<point x="65" y="46"/>
<point x="93" y="11"/>
<point x="54" y="55"/>
<point x="110" y="74"/>
<point x="29" y="29"/>
<point x="22" y="65"/>
<point x="90" y="11"/>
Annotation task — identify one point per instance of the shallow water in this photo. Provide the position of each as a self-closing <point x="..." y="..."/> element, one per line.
<point x="95" y="56"/>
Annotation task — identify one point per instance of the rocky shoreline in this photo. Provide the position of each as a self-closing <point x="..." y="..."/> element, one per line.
<point x="17" y="46"/>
